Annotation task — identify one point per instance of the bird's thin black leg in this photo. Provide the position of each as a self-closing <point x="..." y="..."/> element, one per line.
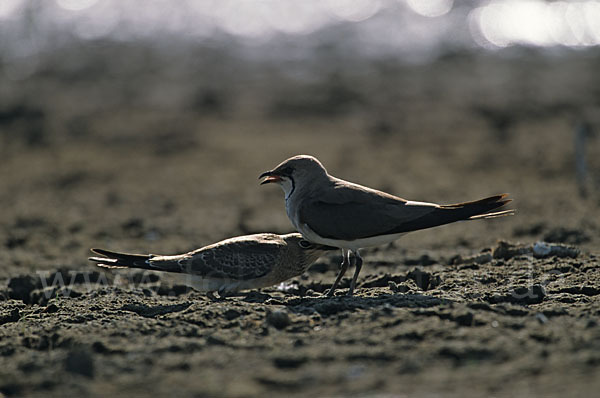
<point x="358" y="264"/>
<point x="343" y="269"/>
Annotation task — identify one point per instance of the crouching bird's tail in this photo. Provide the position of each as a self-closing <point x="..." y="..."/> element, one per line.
<point x="121" y="260"/>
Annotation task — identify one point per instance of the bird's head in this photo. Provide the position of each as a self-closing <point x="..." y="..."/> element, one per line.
<point x="303" y="251"/>
<point x="297" y="171"/>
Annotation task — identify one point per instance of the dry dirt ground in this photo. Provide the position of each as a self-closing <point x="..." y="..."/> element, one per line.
<point x="99" y="161"/>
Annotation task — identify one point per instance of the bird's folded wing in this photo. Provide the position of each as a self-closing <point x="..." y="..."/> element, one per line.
<point x="239" y="261"/>
<point x="352" y="212"/>
<point x="361" y="219"/>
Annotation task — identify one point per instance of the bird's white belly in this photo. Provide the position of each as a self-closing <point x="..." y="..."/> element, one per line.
<point x="356" y="244"/>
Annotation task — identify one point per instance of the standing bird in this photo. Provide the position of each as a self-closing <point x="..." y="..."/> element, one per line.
<point x="240" y="263"/>
<point x="334" y="212"/>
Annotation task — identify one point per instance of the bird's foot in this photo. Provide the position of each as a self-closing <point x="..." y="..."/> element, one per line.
<point x="211" y="295"/>
<point x="222" y="296"/>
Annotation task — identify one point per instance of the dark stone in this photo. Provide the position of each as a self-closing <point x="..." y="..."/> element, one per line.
<point x="50" y="309"/>
<point x="465" y="319"/>
<point x="278" y="319"/>
<point x="331" y="307"/>
<point x="11" y="389"/>
<point x="13" y="316"/>
<point x="231" y="314"/>
<point x="213" y="340"/>
<point x="289" y="362"/>
<point x="506" y="250"/>
<point x="423" y="279"/>
<point x="100" y="347"/>
<point x="80" y="362"/>
<point x="256" y="297"/>
<point x="20" y="287"/>
<point x="534" y="294"/>
<point x="585" y="290"/>
<point x="13" y="242"/>
<point x="413" y="335"/>
<point x="7" y="350"/>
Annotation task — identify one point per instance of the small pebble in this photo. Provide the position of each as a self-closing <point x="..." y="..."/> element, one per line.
<point x="278" y="319"/>
<point x="50" y="309"/>
<point x="541" y="318"/>
<point x="80" y="362"/>
<point x="541" y="249"/>
<point x="592" y="323"/>
<point x="465" y="319"/>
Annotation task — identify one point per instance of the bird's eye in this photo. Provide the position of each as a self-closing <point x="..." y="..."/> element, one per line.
<point x="304" y="244"/>
<point x="287" y="171"/>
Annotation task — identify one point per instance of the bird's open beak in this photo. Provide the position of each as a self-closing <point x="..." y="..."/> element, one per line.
<point x="271" y="177"/>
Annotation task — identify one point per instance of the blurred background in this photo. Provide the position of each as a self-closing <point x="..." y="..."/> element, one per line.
<point x="143" y="125"/>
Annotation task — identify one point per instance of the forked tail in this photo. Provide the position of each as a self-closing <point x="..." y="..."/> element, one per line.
<point x="480" y="209"/>
<point x="121" y="260"/>
<point x="475" y="210"/>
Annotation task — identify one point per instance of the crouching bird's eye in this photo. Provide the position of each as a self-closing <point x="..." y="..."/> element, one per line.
<point x="305" y="244"/>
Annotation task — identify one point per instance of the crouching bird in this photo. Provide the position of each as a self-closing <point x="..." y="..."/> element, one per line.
<point x="229" y="266"/>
